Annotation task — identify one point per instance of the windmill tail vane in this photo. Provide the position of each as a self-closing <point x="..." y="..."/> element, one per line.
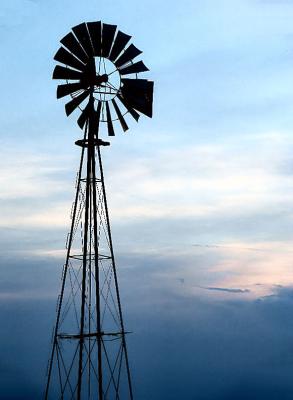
<point x="89" y="358"/>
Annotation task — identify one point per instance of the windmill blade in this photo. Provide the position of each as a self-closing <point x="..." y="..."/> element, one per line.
<point x="109" y="120"/>
<point x="68" y="88"/>
<point x="65" y="73"/>
<point x="73" y="45"/>
<point x="75" y="102"/>
<point x="64" y="57"/>
<point x="94" y="29"/>
<point x="134" y="68"/>
<point x="120" y="42"/>
<point x="108" y="33"/>
<point x="141" y="104"/>
<point x="83" y="37"/>
<point x="139" y="89"/>
<point x="84" y="116"/>
<point x="120" y="116"/>
<point x="136" y="84"/>
<point x="140" y="99"/>
<point x="130" y="53"/>
<point x="130" y="109"/>
<point x="89" y="72"/>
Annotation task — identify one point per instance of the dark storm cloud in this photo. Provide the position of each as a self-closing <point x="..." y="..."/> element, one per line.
<point x="26" y="390"/>
<point x="183" y="346"/>
<point x="32" y="278"/>
<point x="259" y="390"/>
<point x="215" y="350"/>
<point x="24" y="337"/>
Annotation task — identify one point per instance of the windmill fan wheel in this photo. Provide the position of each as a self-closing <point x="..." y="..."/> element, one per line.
<point x="98" y="65"/>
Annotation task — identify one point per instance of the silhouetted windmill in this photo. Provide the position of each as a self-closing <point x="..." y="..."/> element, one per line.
<point x="89" y="355"/>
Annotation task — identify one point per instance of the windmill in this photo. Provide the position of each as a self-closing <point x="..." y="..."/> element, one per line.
<point x="89" y="358"/>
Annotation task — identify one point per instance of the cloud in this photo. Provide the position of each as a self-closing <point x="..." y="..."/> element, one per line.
<point x="218" y="246"/>
<point x="27" y="175"/>
<point x="228" y="344"/>
<point x="228" y="290"/>
<point x="259" y="389"/>
<point x="33" y="189"/>
<point x="204" y="180"/>
<point x="222" y="348"/>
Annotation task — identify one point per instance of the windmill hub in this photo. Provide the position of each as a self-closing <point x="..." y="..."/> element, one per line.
<point x="101" y="79"/>
<point x="107" y="80"/>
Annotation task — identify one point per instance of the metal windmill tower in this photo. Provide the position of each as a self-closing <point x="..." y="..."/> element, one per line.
<point x="89" y="355"/>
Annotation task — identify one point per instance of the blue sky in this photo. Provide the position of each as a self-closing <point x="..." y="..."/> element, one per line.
<point x="200" y="196"/>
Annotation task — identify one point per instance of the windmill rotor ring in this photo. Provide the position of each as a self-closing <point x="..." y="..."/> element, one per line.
<point x="95" y="63"/>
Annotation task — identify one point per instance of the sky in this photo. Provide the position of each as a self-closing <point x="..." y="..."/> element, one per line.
<point x="200" y="196"/>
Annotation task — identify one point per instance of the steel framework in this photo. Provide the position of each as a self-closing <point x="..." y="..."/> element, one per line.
<point x="89" y="355"/>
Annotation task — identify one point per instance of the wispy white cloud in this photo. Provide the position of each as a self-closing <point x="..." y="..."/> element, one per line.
<point x="29" y="175"/>
<point x="238" y="176"/>
<point x="226" y="290"/>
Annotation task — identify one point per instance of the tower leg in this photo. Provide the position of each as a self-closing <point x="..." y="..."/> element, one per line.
<point x="115" y="272"/>
<point x="84" y="270"/>
<point x="64" y="275"/>
<point x="99" y="338"/>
